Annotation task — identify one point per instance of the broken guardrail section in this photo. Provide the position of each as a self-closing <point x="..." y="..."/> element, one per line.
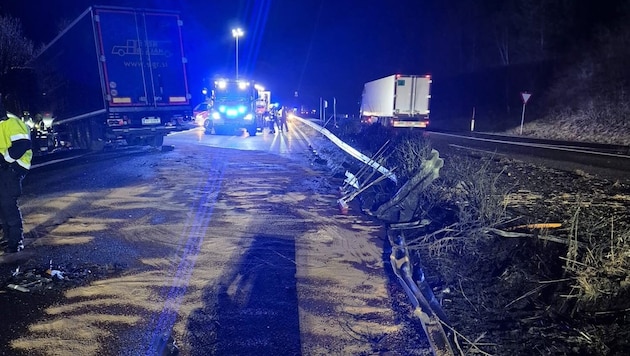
<point x="398" y="212"/>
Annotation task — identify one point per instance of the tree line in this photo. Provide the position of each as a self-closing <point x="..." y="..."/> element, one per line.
<point x="572" y="54"/>
<point x="15" y="48"/>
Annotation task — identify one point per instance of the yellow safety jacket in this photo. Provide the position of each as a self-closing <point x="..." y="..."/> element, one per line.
<point x="13" y="129"/>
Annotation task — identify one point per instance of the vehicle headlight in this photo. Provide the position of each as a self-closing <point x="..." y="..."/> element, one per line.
<point x="216" y="115"/>
<point x="222" y="108"/>
<point x="249" y="117"/>
<point x="242" y="109"/>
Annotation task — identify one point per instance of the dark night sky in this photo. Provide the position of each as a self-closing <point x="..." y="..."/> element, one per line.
<point x="320" y="48"/>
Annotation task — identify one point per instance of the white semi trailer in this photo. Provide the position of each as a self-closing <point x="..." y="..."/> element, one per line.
<point x="397" y="100"/>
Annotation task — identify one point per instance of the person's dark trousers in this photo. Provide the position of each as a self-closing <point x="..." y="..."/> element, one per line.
<point x="10" y="190"/>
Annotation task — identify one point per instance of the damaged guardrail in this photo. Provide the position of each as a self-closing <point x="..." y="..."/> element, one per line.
<point x="425" y="305"/>
<point x="349" y="149"/>
<point x="351" y="179"/>
<point x="398" y="213"/>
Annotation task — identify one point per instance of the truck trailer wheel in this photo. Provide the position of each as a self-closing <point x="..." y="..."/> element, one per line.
<point x="97" y="145"/>
<point x="156" y="141"/>
<point x="80" y="136"/>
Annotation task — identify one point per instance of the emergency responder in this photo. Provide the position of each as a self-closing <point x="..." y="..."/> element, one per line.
<point x="282" y="124"/>
<point x="15" y="161"/>
<point x="273" y="117"/>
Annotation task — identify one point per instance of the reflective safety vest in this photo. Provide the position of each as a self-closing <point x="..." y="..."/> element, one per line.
<point x="13" y="129"/>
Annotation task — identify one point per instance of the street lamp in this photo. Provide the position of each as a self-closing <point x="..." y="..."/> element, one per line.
<point x="236" y="33"/>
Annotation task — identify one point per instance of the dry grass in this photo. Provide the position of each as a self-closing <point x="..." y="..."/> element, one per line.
<point x="598" y="257"/>
<point x="606" y="124"/>
<point x="407" y="156"/>
<point x="463" y="208"/>
<point x="598" y="250"/>
<point x="580" y="270"/>
<point x="476" y="202"/>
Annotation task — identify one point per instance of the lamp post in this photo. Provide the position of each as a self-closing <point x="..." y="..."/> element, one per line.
<point x="236" y="33"/>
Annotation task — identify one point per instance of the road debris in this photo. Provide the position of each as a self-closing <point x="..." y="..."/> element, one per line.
<point x="41" y="280"/>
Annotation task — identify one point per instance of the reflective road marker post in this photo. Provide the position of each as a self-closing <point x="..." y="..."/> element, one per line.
<point x="525" y="96"/>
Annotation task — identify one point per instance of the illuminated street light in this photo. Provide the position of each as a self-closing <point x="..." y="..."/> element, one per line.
<point x="236" y="33"/>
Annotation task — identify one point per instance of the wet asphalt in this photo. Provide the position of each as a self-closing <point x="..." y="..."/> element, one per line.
<point x="237" y="296"/>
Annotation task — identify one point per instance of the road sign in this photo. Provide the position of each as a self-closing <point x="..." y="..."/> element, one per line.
<point x="525" y="96"/>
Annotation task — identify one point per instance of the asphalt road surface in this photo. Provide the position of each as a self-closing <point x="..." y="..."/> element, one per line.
<point x="233" y="245"/>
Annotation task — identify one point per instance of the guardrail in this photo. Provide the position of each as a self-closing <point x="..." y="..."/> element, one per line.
<point x="349" y="149"/>
<point x="425" y="307"/>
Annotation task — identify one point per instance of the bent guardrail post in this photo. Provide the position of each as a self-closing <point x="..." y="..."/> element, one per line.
<point x="402" y="206"/>
<point x="427" y="310"/>
<point x="354" y="180"/>
<point x="422" y="308"/>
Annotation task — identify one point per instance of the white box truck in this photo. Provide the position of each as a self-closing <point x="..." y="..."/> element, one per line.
<point x="397" y="100"/>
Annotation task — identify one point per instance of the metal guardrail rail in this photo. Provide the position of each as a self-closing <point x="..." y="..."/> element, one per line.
<point x="425" y="307"/>
<point x="349" y="149"/>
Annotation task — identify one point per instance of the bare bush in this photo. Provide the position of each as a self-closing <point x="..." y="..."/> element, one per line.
<point x="604" y="122"/>
<point x="408" y="154"/>
<point x="347" y="128"/>
<point x="373" y="137"/>
<point x="471" y="191"/>
<point x="598" y="258"/>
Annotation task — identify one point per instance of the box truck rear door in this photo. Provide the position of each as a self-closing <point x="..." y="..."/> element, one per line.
<point x="422" y="93"/>
<point x="404" y="95"/>
<point x="143" y="57"/>
<point x="164" y="52"/>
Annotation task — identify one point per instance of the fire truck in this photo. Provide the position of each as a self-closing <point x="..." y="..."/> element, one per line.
<point x="233" y="107"/>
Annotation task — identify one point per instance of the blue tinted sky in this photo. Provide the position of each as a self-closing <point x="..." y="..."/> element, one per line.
<point x="319" y="48"/>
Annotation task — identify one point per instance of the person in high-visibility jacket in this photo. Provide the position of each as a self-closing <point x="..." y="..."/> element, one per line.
<point x="15" y="162"/>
